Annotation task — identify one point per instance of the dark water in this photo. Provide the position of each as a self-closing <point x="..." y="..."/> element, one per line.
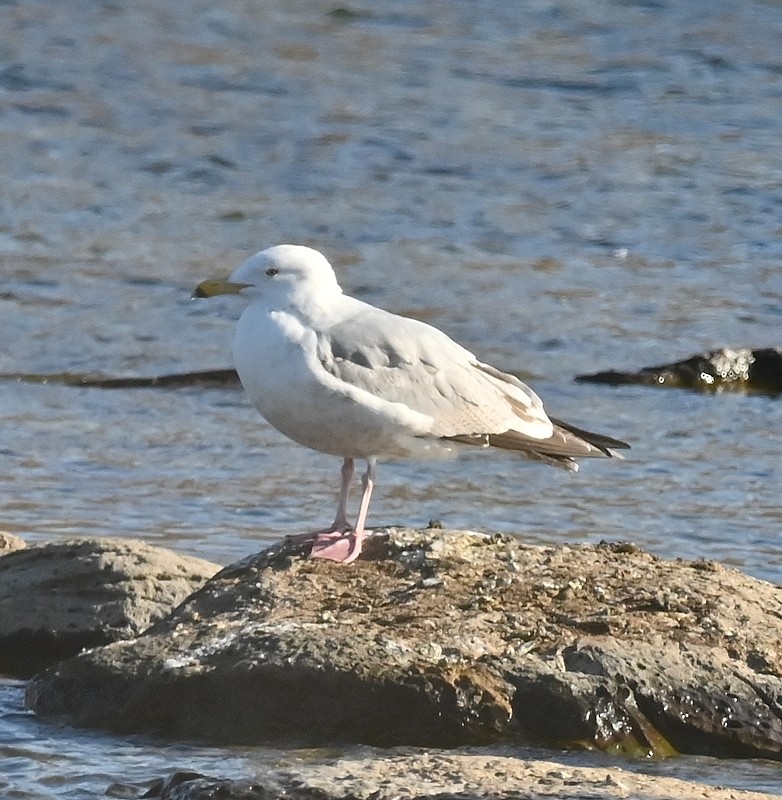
<point x="562" y="186"/>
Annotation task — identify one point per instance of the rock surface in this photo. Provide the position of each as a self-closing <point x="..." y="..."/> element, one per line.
<point x="59" y="598"/>
<point x="9" y="542"/>
<point x="738" y="369"/>
<point x="444" y="638"/>
<point x="445" y="776"/>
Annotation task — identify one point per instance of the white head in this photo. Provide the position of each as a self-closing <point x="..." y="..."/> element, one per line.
<point x="281" y="275"/>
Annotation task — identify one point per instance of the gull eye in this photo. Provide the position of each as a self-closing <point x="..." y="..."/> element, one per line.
<point x="272" y="271"/>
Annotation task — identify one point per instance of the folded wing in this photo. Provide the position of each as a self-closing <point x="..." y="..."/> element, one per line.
<point x="404" y="361"/>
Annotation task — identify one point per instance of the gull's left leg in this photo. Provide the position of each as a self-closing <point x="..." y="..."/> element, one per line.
<point x="348" y="547"/>
<point x="368" y="481"/>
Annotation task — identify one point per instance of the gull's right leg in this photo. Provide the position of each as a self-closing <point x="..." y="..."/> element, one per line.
<point x="323" y="538"/>
<point x="341" y="523"/>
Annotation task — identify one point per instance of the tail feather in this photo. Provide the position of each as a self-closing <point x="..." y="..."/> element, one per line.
<point x="566" y="443"/>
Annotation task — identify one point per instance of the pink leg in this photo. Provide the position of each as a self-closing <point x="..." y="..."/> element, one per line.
<point x="340" y="524"/>
<point x="347" y="547"/>
<point x="368" y="482"/>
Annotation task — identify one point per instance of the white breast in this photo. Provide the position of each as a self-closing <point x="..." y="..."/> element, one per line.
<point x="275" y="356"/>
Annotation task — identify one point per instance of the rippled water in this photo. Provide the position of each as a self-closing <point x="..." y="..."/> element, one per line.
<point x="562" y="186"/>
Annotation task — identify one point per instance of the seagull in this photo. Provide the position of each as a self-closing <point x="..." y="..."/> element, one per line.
<point x="346" y="378"/>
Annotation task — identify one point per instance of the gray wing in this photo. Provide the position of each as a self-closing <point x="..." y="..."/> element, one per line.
<point x="402" y="360"/>
<point x="408" y="362"/>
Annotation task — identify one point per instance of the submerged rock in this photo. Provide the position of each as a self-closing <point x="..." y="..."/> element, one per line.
<point x="59" y="598"/>
<point x="450" y="775"/>
<point x="741" y="369"/>
<point x="204" y="378"/>
<point x="444" y="638"/>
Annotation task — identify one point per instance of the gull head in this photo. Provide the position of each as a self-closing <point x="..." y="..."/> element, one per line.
<point x="281" y="274"/>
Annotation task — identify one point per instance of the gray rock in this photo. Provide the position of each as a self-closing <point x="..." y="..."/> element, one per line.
<point x="391" y="775"/>
<point x="445" y="638"/>
<point x="59" y="598"/>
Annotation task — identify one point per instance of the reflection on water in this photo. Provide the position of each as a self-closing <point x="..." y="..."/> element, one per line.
<point x="562" y="187"/>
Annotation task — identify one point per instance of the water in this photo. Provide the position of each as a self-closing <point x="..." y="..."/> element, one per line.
<point x="562" y="186"/>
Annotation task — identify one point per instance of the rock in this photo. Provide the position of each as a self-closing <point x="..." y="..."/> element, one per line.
<point x="391" y="775"/>
<point x="59" y="598"/>
<point x="444" y="638"/>
<point x="741" y="369"/>
<point x="9" y="542"/>
<point x="206" y="378"/>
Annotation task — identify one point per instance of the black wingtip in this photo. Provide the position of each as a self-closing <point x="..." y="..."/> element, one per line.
<point x="599" y="440"/>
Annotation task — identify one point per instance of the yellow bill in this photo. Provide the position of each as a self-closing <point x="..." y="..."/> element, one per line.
<point x="214" y="287"/>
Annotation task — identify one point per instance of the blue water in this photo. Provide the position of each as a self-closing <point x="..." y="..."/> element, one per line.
<point x="562" y="186"/>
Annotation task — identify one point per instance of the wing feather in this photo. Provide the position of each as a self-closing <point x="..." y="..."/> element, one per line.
<point x="405" y="361"/>
<point x="402" y="360"/>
